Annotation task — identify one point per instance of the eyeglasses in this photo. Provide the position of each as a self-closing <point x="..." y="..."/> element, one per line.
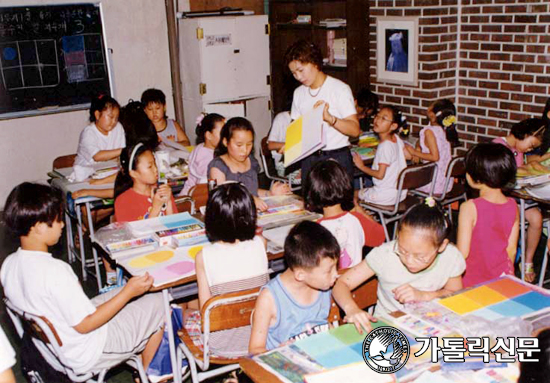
<point x="418" y="259"/>
<point x="382" y="118"/>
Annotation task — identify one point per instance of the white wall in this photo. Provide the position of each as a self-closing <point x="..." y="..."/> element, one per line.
<point x="136" y="32"/>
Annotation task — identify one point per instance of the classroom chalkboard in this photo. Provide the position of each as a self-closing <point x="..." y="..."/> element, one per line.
<point x="52" y="58"/>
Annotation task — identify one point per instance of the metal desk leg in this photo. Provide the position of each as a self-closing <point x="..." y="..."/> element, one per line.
<point x="94" y="251"/>
<point x="171" y="341"/>
<point x="81" y="238"/>
<point x="70" y="241"/>
<point x="522" y="236"/>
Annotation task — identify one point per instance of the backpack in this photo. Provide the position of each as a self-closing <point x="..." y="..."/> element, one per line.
<point x="34" y="367"/>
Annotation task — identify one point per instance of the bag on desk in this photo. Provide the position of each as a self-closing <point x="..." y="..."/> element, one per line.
<point x="161" y="367"/>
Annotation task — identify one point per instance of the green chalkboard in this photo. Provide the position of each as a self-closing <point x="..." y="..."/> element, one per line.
<point x="52" y="58"/>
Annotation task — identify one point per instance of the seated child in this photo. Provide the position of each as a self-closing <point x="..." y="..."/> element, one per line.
<point x="235" y="261"/>
<point x="419" y="265"/>
<point x="488" y="226"/>
<point x="208" y="137"/>
<point x="102" y="140"/>
<point x="154" y="102"/>
<point x="137" y="126"/>
<point x="297" y="301"/>
<point x="388" y="161"/>
<point x="96" y="334"/>
<point x="436" y="141"/>
<point x="328" y="191"/>
<point x="136" y="193"/>
<point x="525" y="136"/>
<point x="234" y="161"/>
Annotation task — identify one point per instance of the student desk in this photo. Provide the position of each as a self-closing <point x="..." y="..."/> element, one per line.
<point x="187" y="287"/>
<point x="88" y="203"/>
<point x="526" y="201"/>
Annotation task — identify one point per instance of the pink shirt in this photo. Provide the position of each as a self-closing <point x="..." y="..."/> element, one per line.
<point x="488" y="257"/>
<point x="517" y="154"/>
<point x="198" y="167"/>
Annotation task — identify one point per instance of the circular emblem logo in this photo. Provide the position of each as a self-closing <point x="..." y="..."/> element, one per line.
<point x="386" y="350"/>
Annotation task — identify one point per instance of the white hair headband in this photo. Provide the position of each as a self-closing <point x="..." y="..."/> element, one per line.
<point x="133" y="155"/>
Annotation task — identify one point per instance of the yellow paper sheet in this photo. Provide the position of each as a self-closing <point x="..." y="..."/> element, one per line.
<point x="160" y="256"/>
<point x="484" y="296"/>
<point x="460" y="304"/>
<point x="293" y="141"/>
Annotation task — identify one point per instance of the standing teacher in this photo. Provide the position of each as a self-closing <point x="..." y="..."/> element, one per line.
<point x="340" y="121"/>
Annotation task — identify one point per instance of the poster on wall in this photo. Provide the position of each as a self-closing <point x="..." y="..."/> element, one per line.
<point x="397" y="50"/>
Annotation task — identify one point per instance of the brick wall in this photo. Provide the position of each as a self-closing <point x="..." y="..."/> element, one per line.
<point x="503" y="63"/>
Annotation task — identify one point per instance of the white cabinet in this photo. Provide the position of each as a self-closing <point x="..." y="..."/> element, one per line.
<point x="225" y="69"/>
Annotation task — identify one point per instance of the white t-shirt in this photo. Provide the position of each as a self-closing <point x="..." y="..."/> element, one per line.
<point x="392" y="273"/>
<point x="350" y="234"/>
<point x="278" y="132"/>
<point x="341" y="105"/>
<point x="229" y="262"/>
<point x="7" y="354"/>
<point x="37" y="283"/>
<point x="93" y="141"/>
<point x="384" y="191"/>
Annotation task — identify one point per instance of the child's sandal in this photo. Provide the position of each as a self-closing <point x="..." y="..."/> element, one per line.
<point x="529" y="272"/>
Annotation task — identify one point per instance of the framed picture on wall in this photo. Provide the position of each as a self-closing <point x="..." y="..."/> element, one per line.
<point x="397" y="50"/>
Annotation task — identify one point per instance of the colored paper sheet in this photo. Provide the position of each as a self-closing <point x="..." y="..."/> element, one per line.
<point x="460" y="304"/>
<point x="534" y="300"/>
<point x="194" y="251"/>
<point x="487" y="313"/>
<point x="510" y="309"/>
<point x="141" y="263"/>
<point x="484" y="295"/>
<point x="160" y="256"/>
<point x="338" y="357"/>
<point x="181" y="268"/>
<point x="509" y="287"/>
<point x="304" y="136"/>
<point x="319" y="344"/>
<point x="348" y="335"/>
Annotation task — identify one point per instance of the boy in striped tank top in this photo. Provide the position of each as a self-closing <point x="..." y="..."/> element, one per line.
<point x="297" y="302"/>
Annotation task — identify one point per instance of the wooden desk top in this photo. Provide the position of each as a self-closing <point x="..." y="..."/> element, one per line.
<point x="257" y="373"/>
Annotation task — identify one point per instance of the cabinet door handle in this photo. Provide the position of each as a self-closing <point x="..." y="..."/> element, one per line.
<point x="236" y="51"/>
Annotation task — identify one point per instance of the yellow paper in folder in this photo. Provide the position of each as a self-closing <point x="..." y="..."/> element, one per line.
<point x="304" y="136"/>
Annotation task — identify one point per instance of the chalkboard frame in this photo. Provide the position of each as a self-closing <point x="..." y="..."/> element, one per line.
<point x="66" y="102"/>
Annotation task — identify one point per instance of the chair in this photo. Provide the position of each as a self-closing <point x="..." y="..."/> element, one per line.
<point x="48" y="342"/>
<point x="198" y="197"/>
<point x="222" y="312"/>
<point x="410" y="178"/>
<point x="269" y="166"/>
<point x="366" y="295"/>
<point x="64" y="161"/>
<point x="455" y="169"/>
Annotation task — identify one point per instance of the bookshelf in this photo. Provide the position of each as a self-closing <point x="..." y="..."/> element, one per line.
<point x="284" y="32"/>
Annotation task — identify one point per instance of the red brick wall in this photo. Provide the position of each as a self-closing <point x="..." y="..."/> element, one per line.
<point x="504" y="61"/>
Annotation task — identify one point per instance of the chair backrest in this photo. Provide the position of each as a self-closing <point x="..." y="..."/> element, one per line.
<point x="227" y="311"/>
<point x="334" y="313"/>
<point x="185" y="204"/>
<point x="64" y="161"/>
<point x="267" y="160"/>
<point x="47" y="341"/>
<point x="366" y="294"/>
<point x="416" y="176"/>
<point x="455" y="169"/>
<point x="199" y="193"/>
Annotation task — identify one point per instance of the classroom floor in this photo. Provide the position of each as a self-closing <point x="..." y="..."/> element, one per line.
<point x="8" y="245"/>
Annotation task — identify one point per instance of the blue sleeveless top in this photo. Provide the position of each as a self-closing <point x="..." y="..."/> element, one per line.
<point x="294" y="318"/>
